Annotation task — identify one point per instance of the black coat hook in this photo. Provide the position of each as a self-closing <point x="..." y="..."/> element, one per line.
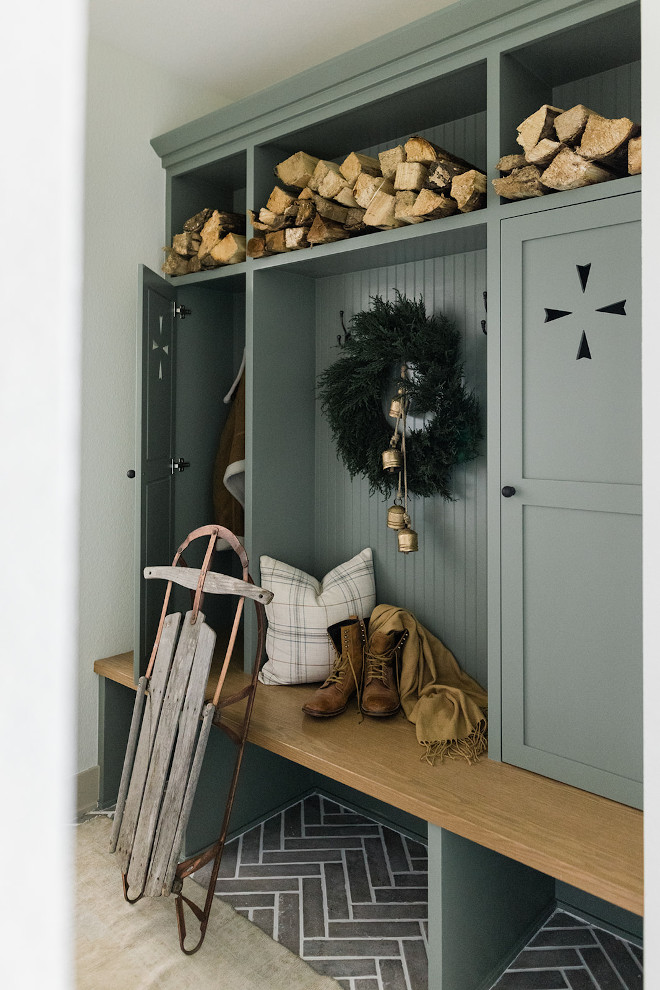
<point x="347" y="336"/>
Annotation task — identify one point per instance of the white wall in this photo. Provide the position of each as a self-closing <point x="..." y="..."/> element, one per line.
<point x="129" y="102"/>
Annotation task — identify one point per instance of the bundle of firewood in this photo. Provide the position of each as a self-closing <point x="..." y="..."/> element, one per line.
<point x="320" y="201"/>
<point x="566" y="149"/>
<point x="211" y="238"/>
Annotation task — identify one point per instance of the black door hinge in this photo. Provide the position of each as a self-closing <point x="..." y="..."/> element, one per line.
<point x="181" y="311"/>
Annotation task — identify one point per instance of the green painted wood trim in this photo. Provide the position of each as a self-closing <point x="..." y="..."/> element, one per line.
<point x="463" y="31"/>
<point x="482" y="909"/>
<point x="115" y="712"/>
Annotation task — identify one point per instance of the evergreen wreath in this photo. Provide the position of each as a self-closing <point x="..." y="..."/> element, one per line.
<point x="351" y="391"/>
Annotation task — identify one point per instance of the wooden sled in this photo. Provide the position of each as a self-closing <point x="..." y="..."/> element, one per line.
<point x="169" y="731"/>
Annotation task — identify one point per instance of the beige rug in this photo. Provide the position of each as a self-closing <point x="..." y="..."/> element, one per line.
<point x="124" y="947"/>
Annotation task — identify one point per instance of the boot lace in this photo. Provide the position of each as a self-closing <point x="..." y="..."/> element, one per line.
<point x="376" y="664"/>
<point x="341" y="665"/>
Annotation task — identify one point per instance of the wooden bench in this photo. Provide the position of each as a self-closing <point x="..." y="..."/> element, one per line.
<point x="584" y="840"/>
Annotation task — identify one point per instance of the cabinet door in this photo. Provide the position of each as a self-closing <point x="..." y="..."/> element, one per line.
<point x="156" y="380"/>
<point x="571" y="532"/>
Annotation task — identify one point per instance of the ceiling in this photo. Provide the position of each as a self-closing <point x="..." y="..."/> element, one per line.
<point x="238" y="47"/>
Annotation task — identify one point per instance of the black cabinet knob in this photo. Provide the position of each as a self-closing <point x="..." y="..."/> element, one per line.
<point x="508" y="491"/>
<point x="130" y="474"/>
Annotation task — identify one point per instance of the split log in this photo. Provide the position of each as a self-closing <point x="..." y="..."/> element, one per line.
<point x="570" y="171"/>
<point x="186" y="244"/>
<point x="295" y="238"/>
<point x="570" y="124"/>
<point x="439" y="177"/>
<point x="508" y="162"/>
<point x="325" y="231"/>
<point x="276" y="242"/>
<point x="418" y="149"/>
<point x="306" y="193"/>
<point x="297" y="170"/>
<point x="431" y="205"/>
<point x="320" y="172"/>
<point x="329" y="209"/>
<point x="194" y="265"/>
<point x="543" y="152"/>
<point x="256" y="222"/>
<point x="174" y="264"/>
<point x="256" y="248"/>
<point x="332" y="184"/>
<point x="197" y="222"/>
<point x="635" y="155"/>
<point x="403" y="206"/>
<point x="367" y="186"/>
<point x="230" y="250"/>
<point x="380" y="212"/>
<point x="276" y="221"/>
<point x="411" y="175"/>
<point x="211" y="233"/>
<point x="306" y="213"/>
<point x="346" y="198"/>
<point x="354" y="217"/>
<point x="389" y="160"/>
<point x="538" y="126"/>
<point x="469" y="190"/>
<point x="279" y="200"/>
<point x="356" y="164"/>
<point x="522" y="183"/>
<point x="606" y="141"/>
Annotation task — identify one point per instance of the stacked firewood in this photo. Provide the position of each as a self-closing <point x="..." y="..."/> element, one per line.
<point x="320" y="201"/>
<point x="211" y="238"/>
<point x="566" y="149"/>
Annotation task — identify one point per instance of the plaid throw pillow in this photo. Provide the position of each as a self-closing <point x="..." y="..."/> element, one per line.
<point x="298" y="647"/>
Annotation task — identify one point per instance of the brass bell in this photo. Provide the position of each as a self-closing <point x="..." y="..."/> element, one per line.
<point x="407" y="537"/>
<point x="395" y="515"/>
<point x="392" y="460"/>
<point x="397" y="405"/>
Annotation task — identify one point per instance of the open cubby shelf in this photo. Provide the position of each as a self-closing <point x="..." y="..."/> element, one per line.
<point x="578" y="838"/>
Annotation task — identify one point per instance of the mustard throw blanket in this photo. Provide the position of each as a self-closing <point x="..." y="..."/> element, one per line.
<point x="446" y="705"/>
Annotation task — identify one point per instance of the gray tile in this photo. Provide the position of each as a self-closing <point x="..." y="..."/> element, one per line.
<point x="563" y="936"/>
<point x="540" y="979"/>
<point x="421" y="865"/>
<point x="293" y="821"/>
<point x="562" y="920"/>
<point x="637" y="952"/>
<point x="410" y="880"/>
<point x="265" y="919"/>
<point x="401" y="895"/>
<point x="279" y="870"/>
<point x="379" y="912"/>
<point x="415" y="848"/>
<point x="623" y="962"/>
<point x="335" y="888"/>
<point x="325" y="842"/>
<point x="228" y="861"/>
<point x="272" y="833"/>
<point x="250" y="845"/>
<point x="345" y="947"/>
<point x="336" y="830"/>
<point x="302" y="856"/>
<point x="579" y="979"/>
<point x="312" y="809"/>
<point x="288" y="922"/>
<point x="396" y="851"/>
<point x="344" y="967"/>
<point x="252" y="886"/>
<point x="347" y="818"/>
<point x="416" y="963"/>
<point x="368" y="985"/>
<point x="250" y="900"/>
<point x="345" y="984"/>
<point x="599" y="966"/>
<point x="392" y="975"/>
<point x="546" y="958"/>
<point x="357" y="876"/>
<point x="376" y="863"/>
<point x="374" y="929"/>
<point x="329" y="807"/>
<point x="312" y="908"/>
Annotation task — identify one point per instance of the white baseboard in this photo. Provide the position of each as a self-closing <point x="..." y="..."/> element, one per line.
<point x="87" y="790"/>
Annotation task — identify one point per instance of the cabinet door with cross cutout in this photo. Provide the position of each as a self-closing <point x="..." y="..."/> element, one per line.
<point x="570" y="503"/>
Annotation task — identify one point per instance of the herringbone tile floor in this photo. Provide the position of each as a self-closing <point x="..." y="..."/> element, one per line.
<point x="351" y="897"/>
<point x="338" y="889"/>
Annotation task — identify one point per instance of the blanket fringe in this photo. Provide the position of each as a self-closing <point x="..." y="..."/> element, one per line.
<point x="470" y="749"/>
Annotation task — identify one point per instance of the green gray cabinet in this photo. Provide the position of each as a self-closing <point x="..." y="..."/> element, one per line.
<point x="571" y="532"/>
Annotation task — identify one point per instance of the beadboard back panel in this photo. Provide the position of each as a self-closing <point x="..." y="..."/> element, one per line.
<point x="444" y="584"/>
<point x="614" y="93"/>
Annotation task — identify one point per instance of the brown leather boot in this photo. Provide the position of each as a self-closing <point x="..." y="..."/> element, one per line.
<point x="349" y="639"/>
<point x="380" y="693"/>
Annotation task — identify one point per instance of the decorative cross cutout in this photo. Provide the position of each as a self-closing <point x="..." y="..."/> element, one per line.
<point x="155" y="345"/>
<point x="616" y="308"/>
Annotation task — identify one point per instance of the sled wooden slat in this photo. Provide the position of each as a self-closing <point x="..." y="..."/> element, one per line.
<point x="216" y="584"/>
<point x="184" y="754"/>
<point x="152" y="708"/>
<point x="128" y="761"/>
<point x="161" y="753"/>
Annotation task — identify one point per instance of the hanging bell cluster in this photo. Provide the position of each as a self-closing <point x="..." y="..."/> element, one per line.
<point x="394" y="460"/>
